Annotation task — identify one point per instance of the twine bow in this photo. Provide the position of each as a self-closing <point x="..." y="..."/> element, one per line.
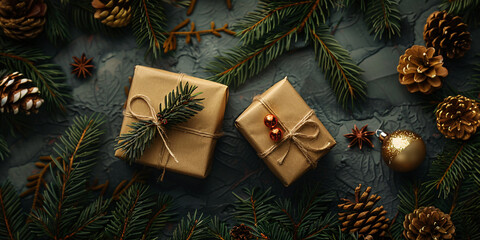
<point x="295" y="136"/>
<point x="153" y="118"/>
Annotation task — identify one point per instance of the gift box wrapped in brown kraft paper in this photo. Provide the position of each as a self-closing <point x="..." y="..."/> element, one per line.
<point x="301" y="139"/>
<point x="194" y="147"/>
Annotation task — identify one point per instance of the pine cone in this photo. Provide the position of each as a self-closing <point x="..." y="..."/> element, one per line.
<point x="458" y="117"/>
<point x="421" y="70"/>
<point x="241" y="232"/>
<point x="428" y="223"/>
<point x="18" y="94"/>
<point x="359" y="216"/>
<point x="113" y="13"/>
<point x="447" y="34"/>
<point x="22" y="19"/>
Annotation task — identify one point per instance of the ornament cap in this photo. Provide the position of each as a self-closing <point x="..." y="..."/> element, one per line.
<point x="381" y="134"/>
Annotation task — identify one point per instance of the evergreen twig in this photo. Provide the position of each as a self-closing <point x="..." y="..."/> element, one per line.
<point x="4" y="150"/>
<point x="56" y="26"/>
<point x="192" y="227"/>
<point x="12" y="219"/>
<point x="148" y="24"/>
<point x="181" y="104"/>
<point x="342" y="72"/>
<point x="453" y="165"/>
<point x="65" y="200"/>
<point x="468" y="9"/>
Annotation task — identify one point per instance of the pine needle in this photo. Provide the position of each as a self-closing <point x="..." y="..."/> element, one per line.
<point x="4" y="150"/>
<point x="12" y="219"/>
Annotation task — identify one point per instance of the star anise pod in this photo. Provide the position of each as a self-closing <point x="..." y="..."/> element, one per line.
<point x="359" y="136"/>
<point x="82" y="66"/>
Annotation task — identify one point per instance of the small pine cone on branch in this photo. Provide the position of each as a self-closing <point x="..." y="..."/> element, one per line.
<point x="22" y="19"/>
<point x="113" y="13"/>
<point x="428" y="223"/>
<point x="17" y="94"/>
<point x="447" y="34"/>
<point x="421" y="70"/>
<point x="360" y="217"/>
<point x="458" y="117"/>
<point x="241" y="232"/>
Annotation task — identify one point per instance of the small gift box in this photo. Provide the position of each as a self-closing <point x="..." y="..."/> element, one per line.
<point x="292" y="142"/>
<point x="192" y="142"/>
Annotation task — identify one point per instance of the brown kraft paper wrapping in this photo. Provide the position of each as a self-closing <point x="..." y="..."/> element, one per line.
<point x="194" y="152"/>
<point x="290" y="109"/>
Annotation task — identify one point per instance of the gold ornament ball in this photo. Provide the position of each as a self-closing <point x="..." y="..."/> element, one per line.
<point x="403" y="150"/>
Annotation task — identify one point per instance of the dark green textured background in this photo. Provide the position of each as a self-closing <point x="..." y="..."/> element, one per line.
<point x="389" y="106"/>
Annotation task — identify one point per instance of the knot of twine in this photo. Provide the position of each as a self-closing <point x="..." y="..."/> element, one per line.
<point x="295" y="136"/>
<point x="153" y="118"/>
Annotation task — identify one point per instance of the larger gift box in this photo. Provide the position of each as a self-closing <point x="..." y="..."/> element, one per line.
<point x="192" y="142"/>
<point x="304" y="140"/>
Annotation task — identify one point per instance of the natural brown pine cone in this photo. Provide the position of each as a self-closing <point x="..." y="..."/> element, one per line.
<point x="241" y="232"/>
<point x="428" y="223"/>
<point x="113" y="13"/>
<point x="360" y="217"/>
<point x="447" y="34"/>
<point x="17" y="94"/>
<point x="22" y="19"/>
<point x="458" y="117"/>
<point x="421" y="70"/>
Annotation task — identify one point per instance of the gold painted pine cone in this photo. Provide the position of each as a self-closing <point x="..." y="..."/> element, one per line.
<point x="458" y="117"/>
<point x="17" y="94"/>
<point x="427" y="223"/>
<point x="447" y="34"/>
<point x="421" y="70"/>
<point x="113" y="13"/>
<point x="360" y="217"/>
<point x="22" y="19"/>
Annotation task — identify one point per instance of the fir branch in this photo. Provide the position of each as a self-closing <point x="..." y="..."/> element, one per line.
<point x="192" y="227"/>
<point x="56" y="26"/>
<point x="4" y="150"/>
<point x="130" y="213"/>
<point x="464" y="209"/>
<point x="219" y="230"/>
<point x="468" y="9"/>
<point x="48" y="77"/>
<point x="12" y="219"/>
<point x="148" y="23"/>
<point x="65" y="198"/>
<point x="453" y="165"/>
<point x="254" y="208"/>
<point x="123" y="186"/>
<point x="303" y="214"/>
<point x="160" y="216"/>
<point x="383" y="18"/>
<point x="342" y="72"/>
<point x="181" y="104"/>
<point x="244" y="62"/>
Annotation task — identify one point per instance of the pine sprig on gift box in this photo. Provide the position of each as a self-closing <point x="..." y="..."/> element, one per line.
<point x="12" y="218"/>
<point x="468" y="9"/>
<point x="148" y="24"/>
<point x="181" y="104"/>
<point x="272" y="29"/>
<point x="458" y="160"/>
<point x="382" y="16"/>
<point x="66" y="211"/>
<point x="35" y="65"/>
